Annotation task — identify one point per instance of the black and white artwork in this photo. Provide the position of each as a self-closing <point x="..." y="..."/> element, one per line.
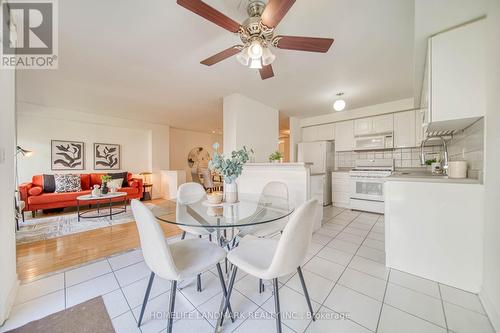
<point x="106" y="156"/>
<point x="67" y="155"/>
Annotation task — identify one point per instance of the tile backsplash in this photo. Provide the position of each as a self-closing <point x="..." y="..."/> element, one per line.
<point x="468" y="145"/>
<point x="403" y="157"/>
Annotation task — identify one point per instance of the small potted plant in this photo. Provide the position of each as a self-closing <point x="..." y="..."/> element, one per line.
<point x="276" y="157"/>
<point x="230" y="168"/>
<point x="104" y="188"/>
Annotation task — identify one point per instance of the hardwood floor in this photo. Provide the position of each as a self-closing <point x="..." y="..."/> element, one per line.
<point x="41" y="257"/>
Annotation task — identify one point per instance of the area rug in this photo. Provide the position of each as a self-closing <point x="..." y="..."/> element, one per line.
<point x="52" y="226"/>
<point x="88" y="317"/>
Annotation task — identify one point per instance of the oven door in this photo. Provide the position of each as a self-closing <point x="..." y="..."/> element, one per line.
<point x="367" y="188"/>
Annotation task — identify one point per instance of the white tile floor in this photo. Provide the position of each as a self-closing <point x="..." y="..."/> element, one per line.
<point x="344" y="271"/>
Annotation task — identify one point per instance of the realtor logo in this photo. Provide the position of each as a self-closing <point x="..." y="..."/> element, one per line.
<point x="29" y="34"/>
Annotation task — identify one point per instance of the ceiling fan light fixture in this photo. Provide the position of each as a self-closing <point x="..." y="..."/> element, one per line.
<point x="243" y="57"/>
<point x="267" y="57"/>
<point x="255" y="64"/>
<point x="255" y="50"/>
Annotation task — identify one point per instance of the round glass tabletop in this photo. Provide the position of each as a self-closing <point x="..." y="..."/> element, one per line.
<point x="252" y="209"/>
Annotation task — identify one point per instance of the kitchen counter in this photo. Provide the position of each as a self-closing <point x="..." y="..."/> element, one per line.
<point x="427" y="177"/>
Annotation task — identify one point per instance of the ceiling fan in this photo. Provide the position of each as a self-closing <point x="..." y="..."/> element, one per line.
<point x="257" y="34"/>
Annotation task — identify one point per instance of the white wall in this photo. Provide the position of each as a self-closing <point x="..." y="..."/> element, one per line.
<point x="490" y="295"/>
<point x="250" y="123"/>
<point x="181" y="143"/>
<point x="8" y="277"/>
<point x="144" y="147"/>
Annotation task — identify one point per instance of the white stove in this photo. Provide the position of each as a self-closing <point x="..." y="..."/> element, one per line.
<point x="367" y="184"/>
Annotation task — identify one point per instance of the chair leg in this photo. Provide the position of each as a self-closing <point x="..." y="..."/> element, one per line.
<point x="171" y="312"/>
<point x="261" y="286"/>
<point x="198" y="283"/>
<point x="183" y="235"/>
<point x="224" y="289"/>
<point x="146" y="297"/>
<point x="277" y="305"/>
<point x="210" y="238"/>
<point x="306" y="293"/>
<point x="229" y="291"/>
<point x="23" y="215"/>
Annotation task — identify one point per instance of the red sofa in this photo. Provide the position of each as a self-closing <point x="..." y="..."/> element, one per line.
<point x="35" y="201"/>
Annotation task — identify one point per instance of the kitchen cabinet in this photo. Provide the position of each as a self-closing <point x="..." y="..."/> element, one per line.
<point x="340" y="189"/>
<point x="419" y="127"/>
<point x="382" y="124"/>
<point x="325" y="132"/>
<point x="404" y="129"/>
<point x="363" y="126"/>
<point x="456" y="71"/>
<point x="344" y="136"/>
<point x="373" y="125"/>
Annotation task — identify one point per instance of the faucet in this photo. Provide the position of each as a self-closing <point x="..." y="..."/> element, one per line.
<point x="445" y="147"/>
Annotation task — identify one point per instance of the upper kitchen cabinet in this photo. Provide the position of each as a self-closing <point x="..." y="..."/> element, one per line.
<point x="324" y="132"/>
<point x="456" y="74"/>
<point x="373" y="125"/>
<point x="404" y="129"/>
<point x="344" y="136"/>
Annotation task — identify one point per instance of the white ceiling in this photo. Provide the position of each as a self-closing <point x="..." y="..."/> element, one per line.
<point x="140" y="60"/>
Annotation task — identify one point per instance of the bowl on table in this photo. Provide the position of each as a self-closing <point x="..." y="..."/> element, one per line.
<point x="214" y="198"/>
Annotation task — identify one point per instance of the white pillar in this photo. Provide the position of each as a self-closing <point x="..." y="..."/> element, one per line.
<point x="252" y="124"/>
<point x="295" y="137"/>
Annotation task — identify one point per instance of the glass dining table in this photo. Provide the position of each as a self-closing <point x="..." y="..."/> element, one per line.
<point x="227" y="220"/>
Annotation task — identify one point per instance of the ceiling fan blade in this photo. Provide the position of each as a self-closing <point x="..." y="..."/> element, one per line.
<point x="222" y="55"/>
<point x="209" y="13"/>
<point x="275" y="11"/>
<point x="266" y="72"/>
<point x="310" y="44"/>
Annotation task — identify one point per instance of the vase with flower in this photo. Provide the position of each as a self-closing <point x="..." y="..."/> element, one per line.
<point x="104" y="180"/>
<point x="230" y="169"/>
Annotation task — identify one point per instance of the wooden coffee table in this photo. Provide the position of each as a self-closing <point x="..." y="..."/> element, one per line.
<point x="103" y="199"/>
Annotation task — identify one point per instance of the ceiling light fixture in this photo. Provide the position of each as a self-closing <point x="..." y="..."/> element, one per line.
<point x="243" y="57"/>
<point x="339" y="104"/>
<point x="267" y="57"/>
<point x="255" y="49"/>
<point x="256" y="64"/>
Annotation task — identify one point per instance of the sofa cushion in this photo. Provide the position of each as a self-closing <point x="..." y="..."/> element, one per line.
<point x="129" y="190"/>
<point x="49" y="184"/>
<point x="95" y="179"/>
<point x="118" y="175"/>
<point x="85" y="181"/>
<point x="68" y="183"/>
<point x="36" y="190"/>
<point x="48" y="198"/>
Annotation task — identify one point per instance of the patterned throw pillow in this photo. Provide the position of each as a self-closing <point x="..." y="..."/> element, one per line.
<point x="68" y="183"/>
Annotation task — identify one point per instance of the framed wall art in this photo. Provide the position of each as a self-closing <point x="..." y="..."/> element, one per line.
<point x="67" y="155"/>
<point x="107" y="156"/>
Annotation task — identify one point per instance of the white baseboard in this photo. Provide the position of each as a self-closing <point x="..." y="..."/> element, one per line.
<point x="491" y="310"/>
<point x="9" y="301"/>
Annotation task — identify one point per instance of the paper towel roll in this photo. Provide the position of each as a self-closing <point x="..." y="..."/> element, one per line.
<point x="457" y="169"/>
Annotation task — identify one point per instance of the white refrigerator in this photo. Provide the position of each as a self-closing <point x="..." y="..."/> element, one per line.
<point x="322" y="156"/>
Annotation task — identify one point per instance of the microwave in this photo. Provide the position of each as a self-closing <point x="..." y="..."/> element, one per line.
<point x="373" y="142"/>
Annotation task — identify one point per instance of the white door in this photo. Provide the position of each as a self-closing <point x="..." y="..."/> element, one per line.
<point x="382" y="124"/>
<point x="404" y="129"/>
<point x="344" y="136"/>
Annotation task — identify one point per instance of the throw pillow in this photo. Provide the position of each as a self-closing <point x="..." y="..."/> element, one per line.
<point x="115" y="183"/>
<point x="49" y="184"/>
<point x="118" y="175"/>
<point x="68" y="183"/>
<point x="34" y="191"/>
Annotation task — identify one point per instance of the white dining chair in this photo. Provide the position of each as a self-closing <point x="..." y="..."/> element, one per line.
<point x="277" y="193"/>
<point x="269" y="259"/>
<point x="182" y="260"/>
<point x="189" y="193"/>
